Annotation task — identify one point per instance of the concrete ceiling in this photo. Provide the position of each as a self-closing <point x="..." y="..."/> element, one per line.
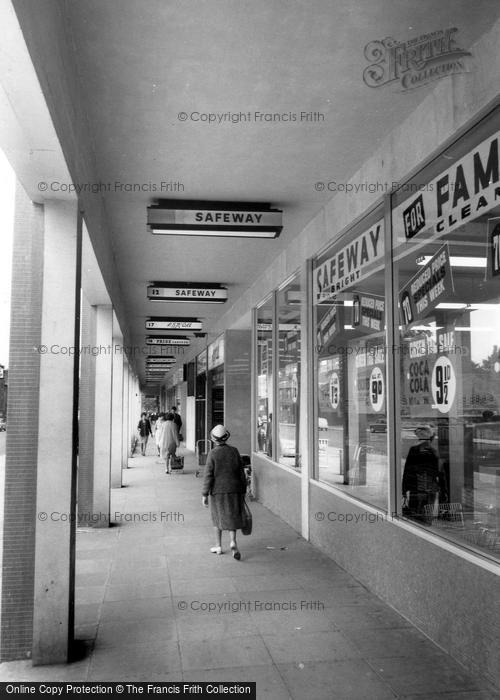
<point x="137" y="65"/>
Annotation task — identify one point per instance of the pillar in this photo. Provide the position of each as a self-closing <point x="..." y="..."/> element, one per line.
<point x="21" y="448"/>
<point x="87" y="403"/>
<point x="94" y="472"/>
<point x="102" y="415"/>
<point x="40" y="488"/>
<point x="116" y="411"/>
<point x="125" y="420"/>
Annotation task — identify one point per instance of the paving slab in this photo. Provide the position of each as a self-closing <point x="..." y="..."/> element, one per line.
<point x="154" y="604"/>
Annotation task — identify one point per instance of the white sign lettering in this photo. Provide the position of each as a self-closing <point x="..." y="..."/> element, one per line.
<point x="350" y="264"/>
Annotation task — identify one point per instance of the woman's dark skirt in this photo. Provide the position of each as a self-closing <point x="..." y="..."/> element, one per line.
<point x="227" y="510"/>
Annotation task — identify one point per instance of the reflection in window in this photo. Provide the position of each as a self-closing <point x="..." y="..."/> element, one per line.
<point x="289" y="302"/>
<point x="264" y="441"/>
<point x="449" y="303"/>
<point x="351" y="435"/>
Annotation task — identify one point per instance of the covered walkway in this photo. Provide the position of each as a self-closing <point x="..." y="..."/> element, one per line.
<point x="152" y="604"/>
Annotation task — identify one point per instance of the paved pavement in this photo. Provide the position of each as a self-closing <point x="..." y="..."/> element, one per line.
<point x="153" y="604"/>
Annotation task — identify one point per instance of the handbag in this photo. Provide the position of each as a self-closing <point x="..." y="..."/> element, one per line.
<point x="247" y="519"/>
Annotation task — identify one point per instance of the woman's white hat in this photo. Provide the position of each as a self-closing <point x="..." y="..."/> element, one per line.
<point x="220" y="433"/>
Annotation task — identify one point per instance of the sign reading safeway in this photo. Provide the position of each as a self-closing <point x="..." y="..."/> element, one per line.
<point x="210" y="217"/>
<point x="187" y="293"/>
<point x="350" y="264"/>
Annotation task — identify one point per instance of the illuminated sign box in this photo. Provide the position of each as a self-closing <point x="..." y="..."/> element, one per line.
<point x="160" y="340"/>
<point x="173" y="324"/>
<point x="182" y="292"/>
<point x="161" y="360"/>
<point x="168" y="340"/>
<point x="184" y="218"/>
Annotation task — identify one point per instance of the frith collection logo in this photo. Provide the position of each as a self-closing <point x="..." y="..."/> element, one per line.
<point x="415" y="62"/>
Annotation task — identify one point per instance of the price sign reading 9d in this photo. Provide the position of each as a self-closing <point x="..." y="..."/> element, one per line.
<point x="443" y="385"/>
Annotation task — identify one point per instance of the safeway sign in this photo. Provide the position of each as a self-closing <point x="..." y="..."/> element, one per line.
<point x="350" y="264"/>
<point x="187" y="293"/>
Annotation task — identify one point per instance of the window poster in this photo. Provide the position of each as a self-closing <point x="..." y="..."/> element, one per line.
<point x="427" y="288"/>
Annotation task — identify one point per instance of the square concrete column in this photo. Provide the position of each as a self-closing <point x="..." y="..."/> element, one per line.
<point x="125" y="419"/>
<point x="116" y="413"/>
<point x="102" y="415"/>
<point x="135" y="405"/>
<point x="94" y="466"/>
<point x="21" y="449"/>
<point x="87" y="417"/>
<point x="54" y="523"/>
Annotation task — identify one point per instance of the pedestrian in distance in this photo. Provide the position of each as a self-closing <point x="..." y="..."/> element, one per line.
<point x="160" y="424"/>
<point x="177" y="421"/>
<point x="225" y="483"/>
<point x="169" y="442"/>
<point x="144" y="429"/>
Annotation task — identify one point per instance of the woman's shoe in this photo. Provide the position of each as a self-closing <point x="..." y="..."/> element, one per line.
<point x="234" y="550"/>
<point x="216" y="550"/>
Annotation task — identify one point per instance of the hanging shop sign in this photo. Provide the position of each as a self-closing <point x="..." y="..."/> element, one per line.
<point x="210" y="220"/>
<point x="414" y="62"/>
<point x="167" y="340"/>
<point x="468" y="189"/>
<point x="368" y="312"/>
<point x="493" y="266"/>
<point x="427" y="288"/>
<point x="350" y="264"/>
<point x="326" y="328"/>
<point x="180" y="292"/>
<point x="443" y="384"/>
<point x="162" y="340"/>
<point x="173" y="324"/>
<point x="160" y="359"/>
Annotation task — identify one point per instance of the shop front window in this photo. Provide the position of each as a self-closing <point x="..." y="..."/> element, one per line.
<point x="289" y="304"/>
<point x="349" y="315"/>
<point x="264" y="354"/>
<point x="446" y="226"/>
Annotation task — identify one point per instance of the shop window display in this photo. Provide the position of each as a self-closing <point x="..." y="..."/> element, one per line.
<point x="289" y="339"/>
<point x="446" y="225"/>
<point x="264" y="354"/>
<point x="349" y="314"/>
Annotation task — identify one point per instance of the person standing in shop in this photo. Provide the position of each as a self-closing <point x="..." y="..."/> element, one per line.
<point x="422" y="479"/>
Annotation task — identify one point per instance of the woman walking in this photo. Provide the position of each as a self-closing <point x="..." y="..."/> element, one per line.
<point x="169" y="442"/>
<point x="160" y="424"/>
<point x="225" y="482"/>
